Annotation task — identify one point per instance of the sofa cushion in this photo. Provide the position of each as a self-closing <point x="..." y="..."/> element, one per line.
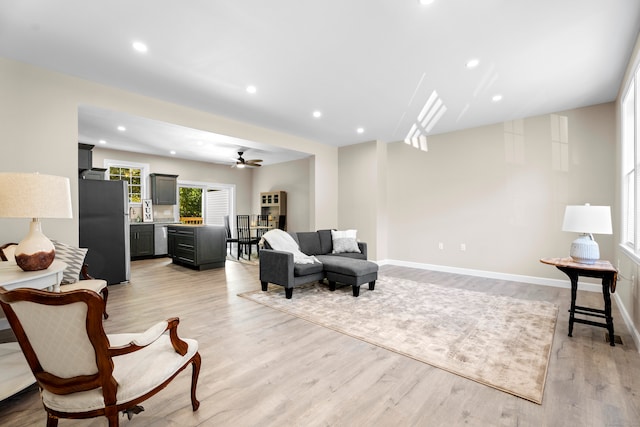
<point x="347" y="266"/>
<point x="326" y="241"/>
<point x="309" y="242"/>
<point x="344" y="241"/>
<point x="306" y="269"/>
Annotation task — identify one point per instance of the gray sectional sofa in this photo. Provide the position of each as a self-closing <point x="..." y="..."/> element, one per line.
<point x="350" y="268"/>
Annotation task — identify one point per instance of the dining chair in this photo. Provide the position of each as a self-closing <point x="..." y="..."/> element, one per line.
<point x="81" y="371"/>
<point x="282" y="222"/>
<point x="261" y="221"/>
<point x="245" y="239"/>
<point x="230" y="240"/>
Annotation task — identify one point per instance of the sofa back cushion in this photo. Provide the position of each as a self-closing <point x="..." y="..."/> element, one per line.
<point x="326" y="242"/>
<point x="309" y="242"/>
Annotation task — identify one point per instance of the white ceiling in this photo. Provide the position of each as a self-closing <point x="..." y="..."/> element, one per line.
<point x="363" y="63"/>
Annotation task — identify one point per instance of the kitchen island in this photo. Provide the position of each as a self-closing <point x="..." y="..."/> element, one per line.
<point x="197" y="246"/>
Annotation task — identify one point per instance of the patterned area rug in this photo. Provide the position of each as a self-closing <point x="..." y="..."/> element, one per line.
<point x="498" y="341"/>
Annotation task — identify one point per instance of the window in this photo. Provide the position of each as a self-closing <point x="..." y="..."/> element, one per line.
<point x="630" y="162"/>
<point x="205" y="202"/>
<point x="190" y="204"/>
<point x="134" y="173"/>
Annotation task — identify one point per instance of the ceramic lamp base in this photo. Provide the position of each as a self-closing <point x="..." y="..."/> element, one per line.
<point x="585" y="250"/>
<point x="35" y="252"/>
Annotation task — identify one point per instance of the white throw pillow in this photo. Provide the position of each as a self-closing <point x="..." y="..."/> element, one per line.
<point x="344" y="241"/>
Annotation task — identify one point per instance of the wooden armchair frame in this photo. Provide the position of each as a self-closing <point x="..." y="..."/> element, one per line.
<point x="103" y="379"/>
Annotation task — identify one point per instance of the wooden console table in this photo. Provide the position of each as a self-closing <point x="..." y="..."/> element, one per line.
<point x="601" y="270"/>
<point x="15" y="374"/>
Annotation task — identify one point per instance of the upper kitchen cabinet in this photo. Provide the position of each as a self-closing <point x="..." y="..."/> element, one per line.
<point x="85" y="156"/>
<point x="164" y="189"/>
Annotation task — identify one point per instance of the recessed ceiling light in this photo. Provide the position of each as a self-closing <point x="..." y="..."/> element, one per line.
<point x="102" y="141"/>
<point x="251" y="89"/>
<point x="496" y="98"/>
<point x="317" y="114"/>
<point x="360" y="130"/>
<point x="140" y="47"/>
<point x="425" y="2"/>
<point x="199" y="143"/>
<point x="473" y="63"/>
<point x="122" y="128"/>
<point x="172" y="152"/>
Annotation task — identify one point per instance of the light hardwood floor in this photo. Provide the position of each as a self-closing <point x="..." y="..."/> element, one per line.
<point x="261" y="367"/>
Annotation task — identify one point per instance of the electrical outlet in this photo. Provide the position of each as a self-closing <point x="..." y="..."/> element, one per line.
<point x="441" y="246"/>
<point x="463" y="247"/>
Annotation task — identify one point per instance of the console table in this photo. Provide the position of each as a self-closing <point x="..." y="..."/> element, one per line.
<point x="15" y="374"/>
<point x="601" y="270"/>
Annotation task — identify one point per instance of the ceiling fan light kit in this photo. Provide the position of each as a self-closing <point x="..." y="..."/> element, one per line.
<point x="242" y="163"/>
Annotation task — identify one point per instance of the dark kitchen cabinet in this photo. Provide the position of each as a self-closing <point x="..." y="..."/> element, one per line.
<point x="142" y="244"/>
<point x="164" y="189"/>
<point x="85" y="156"/>
<point x="198" y="246"/>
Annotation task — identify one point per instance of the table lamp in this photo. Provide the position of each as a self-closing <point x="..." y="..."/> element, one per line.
<point x="33" y="195"/>
<point x="587" y="220"/>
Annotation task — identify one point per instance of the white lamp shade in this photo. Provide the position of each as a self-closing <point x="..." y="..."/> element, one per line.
<point x="33" y="195"/>
<point x="587" y="219"/>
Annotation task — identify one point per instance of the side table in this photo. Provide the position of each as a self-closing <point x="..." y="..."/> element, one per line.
<point x="601" y="270"/>
<point x="15" y="374"/>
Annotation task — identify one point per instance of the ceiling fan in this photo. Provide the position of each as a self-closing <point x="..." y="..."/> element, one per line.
<point x="242" y="163"/>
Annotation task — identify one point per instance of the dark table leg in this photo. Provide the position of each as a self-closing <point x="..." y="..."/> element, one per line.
<point x="573" y="276"/>
<point x="606" y="283"/>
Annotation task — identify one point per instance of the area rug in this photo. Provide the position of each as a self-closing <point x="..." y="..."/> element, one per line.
<point x="498" y="341"/>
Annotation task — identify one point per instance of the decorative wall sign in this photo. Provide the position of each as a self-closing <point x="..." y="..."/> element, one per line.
<point x="147" y="210"/>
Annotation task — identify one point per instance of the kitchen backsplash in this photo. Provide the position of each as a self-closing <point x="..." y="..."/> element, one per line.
<point x="161" y="213"/>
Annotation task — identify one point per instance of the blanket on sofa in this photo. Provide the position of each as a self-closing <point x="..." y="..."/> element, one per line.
<point x="282" y="241"/>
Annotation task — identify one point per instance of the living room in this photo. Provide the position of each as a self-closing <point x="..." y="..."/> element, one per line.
<point x="486" y="201"/>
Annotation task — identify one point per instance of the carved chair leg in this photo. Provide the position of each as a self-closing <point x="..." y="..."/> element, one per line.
<point x="105" y="296"/>
<point x="195" y="404"/>
<point x="113" y="420"/>
<point x="51" y="420"/>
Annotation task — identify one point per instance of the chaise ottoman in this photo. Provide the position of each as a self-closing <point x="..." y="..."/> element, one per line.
<point x="350" y="271"/>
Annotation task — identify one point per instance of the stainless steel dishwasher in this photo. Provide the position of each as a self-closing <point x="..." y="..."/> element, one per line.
<point x="160" y="247"/>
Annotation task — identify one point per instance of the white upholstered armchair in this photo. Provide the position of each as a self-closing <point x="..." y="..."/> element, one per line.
<point x="82" y="371"/>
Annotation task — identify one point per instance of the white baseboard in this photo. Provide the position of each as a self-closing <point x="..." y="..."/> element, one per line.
<point x="627" y="320"/>
<point x="591" y="287"/>
<point x="544" y="281"/>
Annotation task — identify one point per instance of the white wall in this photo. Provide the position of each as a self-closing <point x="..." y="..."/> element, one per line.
<point x="505" y="201"/>
<point x="362" y="194"/>
<point x="292" y="177"/>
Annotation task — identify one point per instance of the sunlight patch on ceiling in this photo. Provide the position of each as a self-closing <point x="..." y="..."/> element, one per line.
<point x="431" y="113"/>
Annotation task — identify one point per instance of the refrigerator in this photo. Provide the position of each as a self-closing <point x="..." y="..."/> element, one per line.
<point x="104" y="228"/>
